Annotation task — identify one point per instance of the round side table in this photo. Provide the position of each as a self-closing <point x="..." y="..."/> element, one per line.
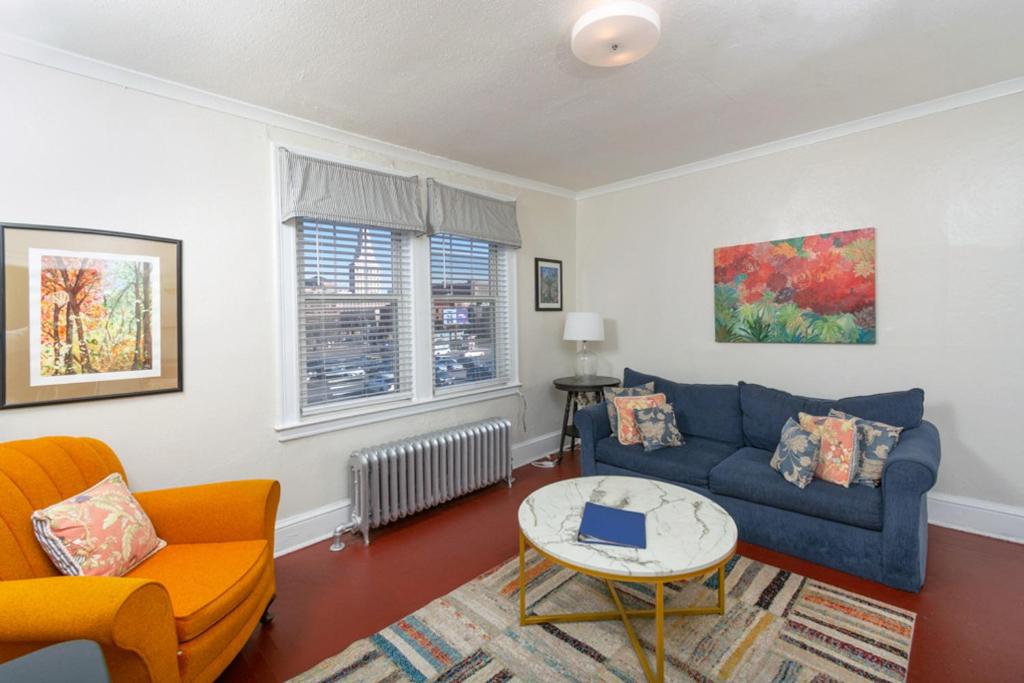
<point x="573" y="387"/>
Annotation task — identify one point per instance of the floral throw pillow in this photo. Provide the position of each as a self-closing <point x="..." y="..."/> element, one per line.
<point x="875" y="441"/>
<point x="626" y="407"/>
<point x="102" y="531"/>
<point x="657" y="427"/>
<point x="837" y="455"/>
<point x="611" y="393"/>
<point x="796" y="456"/>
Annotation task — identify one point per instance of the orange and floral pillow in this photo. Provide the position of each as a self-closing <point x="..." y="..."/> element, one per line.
<point x="838" y="455"/>
<point x="102" y="531"/>
<point x="629" y="433"/>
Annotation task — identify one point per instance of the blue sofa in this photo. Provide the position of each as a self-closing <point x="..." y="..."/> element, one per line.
<point x="730" y="434"/>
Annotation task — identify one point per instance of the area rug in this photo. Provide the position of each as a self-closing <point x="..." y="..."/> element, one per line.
<point x="778" y="627"/>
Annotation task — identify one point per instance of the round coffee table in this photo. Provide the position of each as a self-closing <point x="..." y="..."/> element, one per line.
<point x="688" y="537"/>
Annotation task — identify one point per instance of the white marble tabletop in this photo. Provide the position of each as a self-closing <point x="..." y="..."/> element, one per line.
<point x="686" y="532"/>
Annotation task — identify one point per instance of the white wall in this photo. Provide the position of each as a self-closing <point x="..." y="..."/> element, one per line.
<point x="946" y="193"/>
<point x="80" y="152"/>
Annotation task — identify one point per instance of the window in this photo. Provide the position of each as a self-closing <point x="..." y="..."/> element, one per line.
<point x="469" y="312"/>
<point x="378" y="319"/>
<point x="354" y="315"/>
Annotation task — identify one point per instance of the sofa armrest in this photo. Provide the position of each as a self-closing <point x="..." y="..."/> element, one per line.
<point x="593" y="424"/>
<point x="910" y="470"/>
<point x="211" y="513"/>
<point x="131" y="619"/>
<point x="913" y="466"/>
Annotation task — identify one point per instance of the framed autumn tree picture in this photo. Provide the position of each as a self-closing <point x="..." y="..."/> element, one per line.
<point x="88" y="315"/>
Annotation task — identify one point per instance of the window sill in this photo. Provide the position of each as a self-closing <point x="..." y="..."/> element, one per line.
<point x="323" y="424"/>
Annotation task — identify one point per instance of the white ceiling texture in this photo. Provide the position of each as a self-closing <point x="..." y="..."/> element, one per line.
<point x="494" y="83"/>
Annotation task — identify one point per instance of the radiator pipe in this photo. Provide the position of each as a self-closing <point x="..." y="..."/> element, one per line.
<point x="337" y="545"/>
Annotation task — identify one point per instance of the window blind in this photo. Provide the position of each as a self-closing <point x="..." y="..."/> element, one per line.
<point x="470" y="312"/>
<point x="354" y="314"/>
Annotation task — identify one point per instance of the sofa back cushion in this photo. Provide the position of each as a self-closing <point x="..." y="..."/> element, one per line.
<point x="766" y="410"/>
<point x="710" y="411"/>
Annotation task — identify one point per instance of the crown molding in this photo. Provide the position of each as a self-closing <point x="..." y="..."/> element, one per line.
<point x="914" y="111"/>
<point x="70" y="62"/>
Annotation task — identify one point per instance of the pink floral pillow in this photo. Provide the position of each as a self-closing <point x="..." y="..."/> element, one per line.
<point x="102" y="531"/>
<point x="837" y="460"/>
<point x="626" y="407"/>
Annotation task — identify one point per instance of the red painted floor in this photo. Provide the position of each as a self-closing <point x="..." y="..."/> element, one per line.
<point x="970" y="614"/>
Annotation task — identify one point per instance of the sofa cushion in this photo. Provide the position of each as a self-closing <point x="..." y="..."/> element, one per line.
<point x="612" y="393"/>
<point x="875" y="441"/>
<point x="626" y="406"/>
<point x="838" y="447"/>
<point x="766" y="410"/>
<point x="711" y="411"/>
<point x="689" y="463"/>
<point x="657" y="427"/>
<point x="747" y="475"/>
<point x="206" y="581"/>
<point x="796" y="456"/>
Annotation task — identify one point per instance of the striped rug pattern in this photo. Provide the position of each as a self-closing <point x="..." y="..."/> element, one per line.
<point x="778" y="627"/>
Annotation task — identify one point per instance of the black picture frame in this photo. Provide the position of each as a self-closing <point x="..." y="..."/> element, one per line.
<point x="538" y="304"/>
<point x="177" y="376"/>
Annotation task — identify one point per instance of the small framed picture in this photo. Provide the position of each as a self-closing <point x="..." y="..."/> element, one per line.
<point x="87" y="315"/>
<point x="548" y="284"/>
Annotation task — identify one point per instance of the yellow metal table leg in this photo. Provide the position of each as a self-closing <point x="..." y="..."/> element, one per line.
<point x="522" y="579"/>
<point x="633" y="639"/>
<point x="658" y="613"/>
<point x="721" y="588"/>
<point x="659" y="625"/>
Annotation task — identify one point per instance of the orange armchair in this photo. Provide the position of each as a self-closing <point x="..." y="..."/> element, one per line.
<point x="183" y="614"/>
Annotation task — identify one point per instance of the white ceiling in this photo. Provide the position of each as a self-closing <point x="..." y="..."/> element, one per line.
<point x="493" y="82"/>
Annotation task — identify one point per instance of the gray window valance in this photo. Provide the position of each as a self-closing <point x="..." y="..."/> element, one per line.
<point x="452" y="211"/>
<point x="348" y="195"/>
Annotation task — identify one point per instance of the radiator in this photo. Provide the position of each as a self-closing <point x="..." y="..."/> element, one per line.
<point x="395" y="480"/>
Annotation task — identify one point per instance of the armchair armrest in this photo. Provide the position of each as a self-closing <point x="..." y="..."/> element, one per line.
<point x="211" y="513"/>
<point x="913" y="466"/>
<point x="131" y="619"/>
<point x="593" y="424"/>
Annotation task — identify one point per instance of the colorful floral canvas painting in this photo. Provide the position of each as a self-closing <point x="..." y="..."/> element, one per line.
<point x="818" y="289"/>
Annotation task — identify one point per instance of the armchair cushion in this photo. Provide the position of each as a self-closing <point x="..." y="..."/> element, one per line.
<point x="206" y="581"/>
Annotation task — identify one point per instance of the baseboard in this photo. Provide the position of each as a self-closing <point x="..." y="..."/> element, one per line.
<point x="533" y="449"/>
<point x="306" y="528"/>
<point x="977" y="516"/>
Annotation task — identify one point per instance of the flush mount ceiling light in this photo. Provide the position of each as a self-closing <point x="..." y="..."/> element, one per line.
<point x="615" y="34"/>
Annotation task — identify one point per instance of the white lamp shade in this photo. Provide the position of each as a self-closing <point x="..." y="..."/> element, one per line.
<point x="583" y="327"/>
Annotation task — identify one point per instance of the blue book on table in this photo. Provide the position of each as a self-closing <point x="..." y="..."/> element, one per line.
<point x="612" y="526"/>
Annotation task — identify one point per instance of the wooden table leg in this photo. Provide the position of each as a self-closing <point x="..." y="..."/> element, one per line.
<point x="565" y="423"/>
<point x="574" y="400"/>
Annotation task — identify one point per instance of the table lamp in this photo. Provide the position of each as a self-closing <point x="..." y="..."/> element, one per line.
<point x="584" y="327"/>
